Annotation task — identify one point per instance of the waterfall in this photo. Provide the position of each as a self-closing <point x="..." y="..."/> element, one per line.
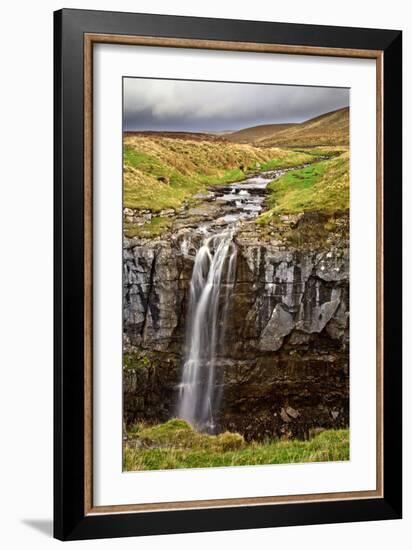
<point x="210" y="292"/>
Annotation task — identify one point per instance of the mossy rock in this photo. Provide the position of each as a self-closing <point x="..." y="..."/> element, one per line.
<point x="174" y="433"/>
<point x="178" y="433"/>
<point x="229" y="441"/>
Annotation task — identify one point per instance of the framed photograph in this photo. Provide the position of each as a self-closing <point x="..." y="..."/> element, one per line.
<point x="227" y="274"/>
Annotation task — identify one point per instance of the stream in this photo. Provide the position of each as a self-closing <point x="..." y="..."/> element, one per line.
<point x="211" y="285"/>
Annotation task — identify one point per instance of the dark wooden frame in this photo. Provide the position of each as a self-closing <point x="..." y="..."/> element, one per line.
<point x="75" y="517"/>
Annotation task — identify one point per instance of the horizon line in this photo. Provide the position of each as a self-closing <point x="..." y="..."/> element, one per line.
<point x="229" y="131"/>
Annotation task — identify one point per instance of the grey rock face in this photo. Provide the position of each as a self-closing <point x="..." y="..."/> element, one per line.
<point x="280" y="324"/>
<point x="155" y="285"/>
<point x="285" y="359"/>
<point x="138" y="265"/>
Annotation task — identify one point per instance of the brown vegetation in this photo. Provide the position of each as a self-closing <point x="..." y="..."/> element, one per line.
<point x="257" y="133"/>
<point x="328" y="129"/>
<point x="191" y="136"/>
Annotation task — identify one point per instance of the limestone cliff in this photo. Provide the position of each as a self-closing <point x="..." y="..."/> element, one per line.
<point x="284" y="367"/>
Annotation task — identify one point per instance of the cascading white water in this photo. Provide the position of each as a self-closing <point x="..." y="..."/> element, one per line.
<point x="213" y="270"/>
<point x="210" y="293"/>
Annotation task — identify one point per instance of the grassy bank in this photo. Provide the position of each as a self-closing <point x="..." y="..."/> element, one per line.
<point x="323" y="186"/>
<point x="161" y="172"/>
<point x="176" y="445"/>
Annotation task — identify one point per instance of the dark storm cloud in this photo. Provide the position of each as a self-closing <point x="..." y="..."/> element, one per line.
<point x="178" y="105"/>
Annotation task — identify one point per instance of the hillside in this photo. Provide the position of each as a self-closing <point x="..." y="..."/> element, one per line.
<point x="161" y="172"/>
<point x="183" y="136"/>
<point x="327" y="129"/>
<point x="256" y="133"/>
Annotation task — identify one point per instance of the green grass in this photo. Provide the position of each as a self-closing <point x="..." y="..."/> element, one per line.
<point x="322" y="186"/>
<point x="321" y="151"/>
<point x="294" y="158"/>
<point x="161" y="173"/>
<point x="164" y="186"/>
<point x="157" y="169"/>
<point x="155" y="227"/>
<point x="176" y="445"/>
<point x="146" y="163"/>
<point x="228" y="176"/>
<point x="134" y="361"/>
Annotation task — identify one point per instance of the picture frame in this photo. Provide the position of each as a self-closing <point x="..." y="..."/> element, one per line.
<point x="76" y="32"/>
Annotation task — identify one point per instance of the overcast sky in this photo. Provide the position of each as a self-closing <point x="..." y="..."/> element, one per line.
<point x="179" y="105"/>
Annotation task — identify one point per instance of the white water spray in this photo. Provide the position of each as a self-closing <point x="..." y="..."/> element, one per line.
<point x="214" y="269"/>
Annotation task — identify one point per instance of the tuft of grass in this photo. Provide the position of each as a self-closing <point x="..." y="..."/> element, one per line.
<point x="177" y="433"/>
<point x="174" y="432"/>
<point x="176" y="444"/>
<point x="134" y="361"/>
<point x="229" y="441"/>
